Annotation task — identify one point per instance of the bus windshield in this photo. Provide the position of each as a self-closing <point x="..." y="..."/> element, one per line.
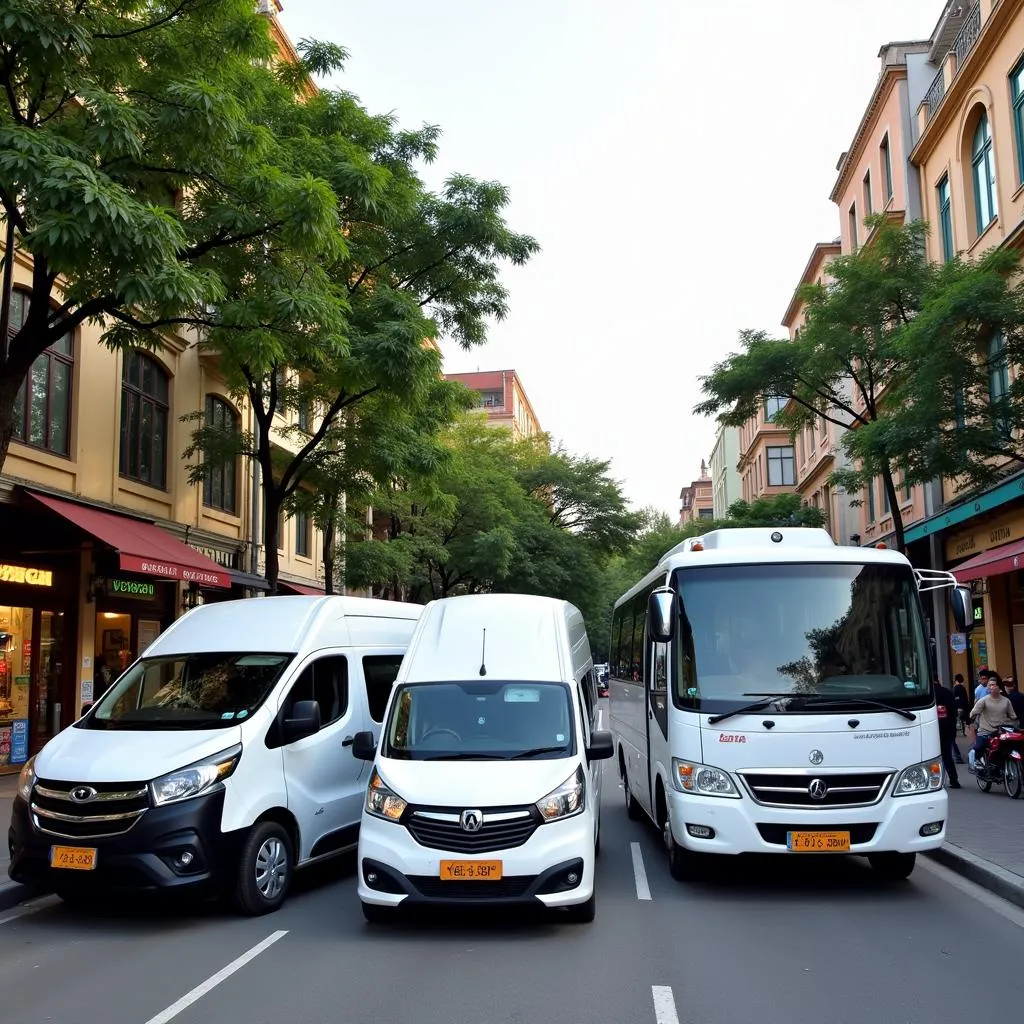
<point x="818" y="635"/>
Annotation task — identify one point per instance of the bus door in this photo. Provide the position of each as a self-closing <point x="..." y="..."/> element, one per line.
<point x="656" y="693"/>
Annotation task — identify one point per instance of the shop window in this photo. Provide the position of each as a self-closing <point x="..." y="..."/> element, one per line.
<point x="220" y="482"/>
<point x="42" y="407"/>
<point x="145" y="392"/>
<point x="15" y="680"/>
<point x="379" y="672"/>
<point x="325" y="681"/>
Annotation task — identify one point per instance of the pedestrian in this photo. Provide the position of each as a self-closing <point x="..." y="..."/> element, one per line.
<point x="981" y="690"/>
<point x="945" y="705"/>
<point x="963" y="705"/>
<point x="1015" y="697"/>
<point x="989" y="714"/>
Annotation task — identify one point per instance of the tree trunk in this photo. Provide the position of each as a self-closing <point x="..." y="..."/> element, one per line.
<point x="894" y="508"/>
<point x="271" y="522"/>
<point x="330" y="528"/>
<point x="8" y="393"/>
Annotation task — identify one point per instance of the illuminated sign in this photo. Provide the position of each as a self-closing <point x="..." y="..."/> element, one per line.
<point x="22" y="574"/>
<point x="131" y="588"/>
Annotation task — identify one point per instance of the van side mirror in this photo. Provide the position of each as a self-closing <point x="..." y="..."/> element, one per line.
<point x="659" y="616"/>
<point x="303" y="721"/>
<point x="962" y="604"/>
<point x="601" y="746"/>
<point x="363" y="746"/>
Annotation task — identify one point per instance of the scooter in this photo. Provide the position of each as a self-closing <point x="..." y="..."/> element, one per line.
<point x="1004" y="762"/>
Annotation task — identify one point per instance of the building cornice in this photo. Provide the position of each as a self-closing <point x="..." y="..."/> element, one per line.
<point x="817" y="259"/>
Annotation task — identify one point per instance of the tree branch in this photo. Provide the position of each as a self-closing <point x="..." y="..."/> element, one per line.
<point x="145" y="28"/>
<point x="225" y="239"/>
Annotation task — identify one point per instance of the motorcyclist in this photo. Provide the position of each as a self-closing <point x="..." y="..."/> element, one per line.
<point x="989" y="714"/>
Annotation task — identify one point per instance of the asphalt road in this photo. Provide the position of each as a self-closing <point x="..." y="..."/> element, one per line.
<point x="771" y="941"/>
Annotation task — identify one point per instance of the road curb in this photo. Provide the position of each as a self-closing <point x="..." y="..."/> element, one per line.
<point x="1007" y="884"/>
<point x="13" y="893"/>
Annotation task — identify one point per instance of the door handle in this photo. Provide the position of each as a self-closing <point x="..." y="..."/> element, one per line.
<point x="348" y="741"/>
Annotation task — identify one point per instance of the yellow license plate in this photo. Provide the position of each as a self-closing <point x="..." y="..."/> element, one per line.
<point x="818" y="842"/>
<point x="470" y="870"/>
<point x="72" y="858"/>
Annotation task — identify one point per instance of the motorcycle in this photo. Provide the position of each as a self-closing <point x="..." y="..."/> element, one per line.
<point x="1004" y="762"/>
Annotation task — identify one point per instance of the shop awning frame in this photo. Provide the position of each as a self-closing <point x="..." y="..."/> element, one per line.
<point x="142" y="547"/>
<point x="1007" y="558"/>
<point x="301" y="589"/>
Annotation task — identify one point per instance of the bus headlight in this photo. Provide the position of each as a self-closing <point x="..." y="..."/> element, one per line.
<point x="925" y="777"/>
<point x="702" y="779"/>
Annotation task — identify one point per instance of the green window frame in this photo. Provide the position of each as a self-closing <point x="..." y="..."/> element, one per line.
<point x="945" y="218"/>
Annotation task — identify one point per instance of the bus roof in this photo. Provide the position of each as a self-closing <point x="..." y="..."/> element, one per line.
<point x="757" y="545"/>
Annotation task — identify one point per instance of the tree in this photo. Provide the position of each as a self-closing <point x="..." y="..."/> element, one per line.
<point x="295" y="333"/>
<point x="135" y="158"/>
<point x="847" y="361"/>
<point x="778" y="510"/>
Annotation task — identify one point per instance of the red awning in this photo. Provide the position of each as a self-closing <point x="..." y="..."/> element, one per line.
<point x="991" y="563"/>
<point x="142" y="547"/>
<point x="298" y="588"/>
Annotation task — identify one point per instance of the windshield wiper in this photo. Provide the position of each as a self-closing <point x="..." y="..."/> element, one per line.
<point x="854" y="699"/>
<point x="464" y="755"/>
<point x="537" y="750"/>
<point x="767" y="700"/>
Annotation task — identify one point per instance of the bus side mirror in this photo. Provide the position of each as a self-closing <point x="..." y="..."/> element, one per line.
<point x="659" y="616"/>
<point x="962" y="603"/>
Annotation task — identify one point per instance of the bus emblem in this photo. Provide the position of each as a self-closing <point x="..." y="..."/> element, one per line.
<point x="815" y="757"/>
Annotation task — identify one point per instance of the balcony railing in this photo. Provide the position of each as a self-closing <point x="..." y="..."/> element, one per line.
<point x="965" y="41"/>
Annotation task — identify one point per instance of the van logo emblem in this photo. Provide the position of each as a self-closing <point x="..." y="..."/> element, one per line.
<point x="815" y="757"/>
<point x="818" y="789"/>
<point x="83" y="794"/>
<point x="471" y="821"/>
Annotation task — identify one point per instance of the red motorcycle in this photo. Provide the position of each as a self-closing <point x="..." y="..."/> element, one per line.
<point x="1004" y="762"/>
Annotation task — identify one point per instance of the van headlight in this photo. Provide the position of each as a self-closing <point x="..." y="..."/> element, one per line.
<point x="565" y="801"/>
<point x="383" y="802"/>
<point x="196" y="779"/>
<point x="27" y="779"/>
<point x="702" y="779"/>
<point x="925" y="777"/>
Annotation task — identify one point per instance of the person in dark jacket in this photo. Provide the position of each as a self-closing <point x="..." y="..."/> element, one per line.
<point x="1015" y="697"/>
<point x="945" y="704"/>
<point x="963" y="705"/>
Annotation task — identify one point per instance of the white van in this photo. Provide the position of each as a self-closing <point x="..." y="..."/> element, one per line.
<point x="485" y="788"/>
<point x="221" y="760"/>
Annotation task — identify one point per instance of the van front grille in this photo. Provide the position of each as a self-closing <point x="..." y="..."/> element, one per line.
<point x="502" y="828"/>
<point x="88" y="810"/>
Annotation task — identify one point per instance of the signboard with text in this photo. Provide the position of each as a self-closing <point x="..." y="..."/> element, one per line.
<point x="173" y="571"/>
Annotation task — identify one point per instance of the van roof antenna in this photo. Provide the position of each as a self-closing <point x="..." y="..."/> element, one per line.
<point x="483" y="653"/>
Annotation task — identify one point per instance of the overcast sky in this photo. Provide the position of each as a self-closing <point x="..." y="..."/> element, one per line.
<point x="674" y="160"/>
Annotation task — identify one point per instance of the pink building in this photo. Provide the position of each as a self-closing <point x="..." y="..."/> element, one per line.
<point x="504" y="399"/>
<point x="697" y="499"/>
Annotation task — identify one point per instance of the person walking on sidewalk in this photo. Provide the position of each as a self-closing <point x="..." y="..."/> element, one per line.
<point x="989" y="714"/>
<point x="945" y="704"/>
<point x="981" y="690"/>
<point x="963" y="705"/>
<point x="1015" y="697"/>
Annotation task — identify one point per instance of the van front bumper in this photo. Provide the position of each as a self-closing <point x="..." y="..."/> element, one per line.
<point x="145" y="858"/>
<point x="538" y="873"/>
<point x="892" y="825"/>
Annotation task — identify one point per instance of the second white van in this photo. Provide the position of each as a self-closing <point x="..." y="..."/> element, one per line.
<point x="221" y="760"/>
<point x="486" y="786"/>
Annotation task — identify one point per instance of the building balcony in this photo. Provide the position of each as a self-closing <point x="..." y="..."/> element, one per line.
<point x="966" y="40"/>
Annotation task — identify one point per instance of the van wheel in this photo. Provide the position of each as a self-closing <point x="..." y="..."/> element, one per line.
<point x="583" y="913"/>
<point x="264" y="870"/>
<point x="893" y="867"/>
<point x="633" y="810"/>
<point x="376" y="914"/>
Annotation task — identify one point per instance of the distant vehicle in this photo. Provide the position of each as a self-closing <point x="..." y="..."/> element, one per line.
<point x="771" y="692"/>
<point x="486" y="787"/>
<point x="222" y="760"/>
<point x="601" y="671"/>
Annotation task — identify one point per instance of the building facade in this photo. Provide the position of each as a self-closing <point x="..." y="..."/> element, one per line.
<point x="725" y="477"/>
<point x="696" y="500"/>
<point x="503" y="399"/>
<point x="103" y="539"/>
<point x="767" y="456"/>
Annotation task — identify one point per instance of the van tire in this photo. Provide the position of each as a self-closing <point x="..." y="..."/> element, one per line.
<point x="376" y="914"/>
<point x="265" y="870"/>
<point x="893" y="867"/>
<point x="583" y="913"/>
<point x="633" y="810"/>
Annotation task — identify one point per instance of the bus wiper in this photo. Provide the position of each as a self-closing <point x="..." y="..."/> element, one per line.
<point x="854" y="699"/>
<point x="767" y="700"/>
<point x="537" y="750"/>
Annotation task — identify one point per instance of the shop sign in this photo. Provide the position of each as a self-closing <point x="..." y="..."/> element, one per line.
<point x="143" y="591"/>
<point x="218" y="555"/>
<point x="171" y="571"/>
<point x="19" y="741"/>
<point x="983" y="538"/>
<point x="23" y="574"/>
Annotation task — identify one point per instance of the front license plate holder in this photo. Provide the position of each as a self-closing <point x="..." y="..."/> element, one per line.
<point x="471" y="870"/>
<point x="818" y="842"/>
<point x="73" y="858"/>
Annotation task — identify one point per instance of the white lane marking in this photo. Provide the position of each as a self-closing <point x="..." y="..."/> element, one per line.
<point x="1012" y="913"/>
<point x="664" y="1005"/>
<point x="214" y="980"/>
<point x="643" y="891"/>
<point x="31" y="907"/>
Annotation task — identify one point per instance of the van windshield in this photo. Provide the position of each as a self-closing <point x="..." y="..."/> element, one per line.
<point x="480" y="720"/>
<point x="818" y="634"/>
<point x="188" y="691"/>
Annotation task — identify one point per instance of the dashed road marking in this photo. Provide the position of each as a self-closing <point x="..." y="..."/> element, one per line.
<point x="30" y="907"/>
<point x="664" y="1005"/>
<point x="214" y="980"/>
<point x="643" y="890"/>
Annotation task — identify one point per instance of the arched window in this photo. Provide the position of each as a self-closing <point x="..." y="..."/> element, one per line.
<point x="219" y="484"/>
<point x="145" y="388"/>
<point x="42" y="408"/>
<point x="984" y="175"/>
